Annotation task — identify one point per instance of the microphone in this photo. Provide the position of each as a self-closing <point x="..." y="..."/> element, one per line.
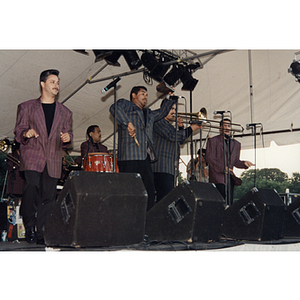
<point x="169" y="97"/>
<point x="221" y="112"/>
<point x="104" y="90"/>
<point x="252" y="125"/>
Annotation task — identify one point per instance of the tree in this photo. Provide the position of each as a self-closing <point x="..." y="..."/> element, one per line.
<point x="265" y="178"/>
<point x="294" y="184"/>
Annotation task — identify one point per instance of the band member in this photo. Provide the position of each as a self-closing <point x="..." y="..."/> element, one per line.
<point x="215" y="159"/>
<point x="164" y="146"/>
<point x="92" y="144"/>
<point x="199" y="174"/>
<point x="43" y="128"/>
<point x="135" y="140"/>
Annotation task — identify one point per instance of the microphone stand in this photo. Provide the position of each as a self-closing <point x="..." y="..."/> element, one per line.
<point x="254" y="133"/>
<point x="114" y="85"/>
<point x="225" y="163"/>
<point x="191" y="145"/>
<point x="176" y="146"/>
<point x="115" y="125"/>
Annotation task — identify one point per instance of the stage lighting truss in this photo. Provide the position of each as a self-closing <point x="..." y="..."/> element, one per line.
<point x="158" y="63"/>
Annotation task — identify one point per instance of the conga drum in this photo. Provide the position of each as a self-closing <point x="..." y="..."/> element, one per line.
<point x="99" y="162"/>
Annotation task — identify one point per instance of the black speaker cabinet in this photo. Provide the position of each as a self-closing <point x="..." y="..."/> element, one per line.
<point x="258" y="215"/>
<point x="191" y="212"/>
<point x="292" y="220"/>
<point x="3" y="216"/>
<point x="98" y="209"/>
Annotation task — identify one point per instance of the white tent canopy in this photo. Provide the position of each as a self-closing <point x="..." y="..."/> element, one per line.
<point x="254" y="86"/>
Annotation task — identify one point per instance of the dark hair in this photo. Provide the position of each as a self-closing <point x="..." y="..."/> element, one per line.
<point x="136" y="89"/>
<point x="203" y="151"/>
<point x="226" y="119"/>
<point x="44" y="75"/>
<point x="91" y="129"/>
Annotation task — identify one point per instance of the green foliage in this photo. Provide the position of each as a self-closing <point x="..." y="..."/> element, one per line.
<point x="269" y="179"/>
<point x="180" y="178"/>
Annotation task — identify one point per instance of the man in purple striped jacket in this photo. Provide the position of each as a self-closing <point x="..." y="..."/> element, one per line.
<point x="43" y="128"/>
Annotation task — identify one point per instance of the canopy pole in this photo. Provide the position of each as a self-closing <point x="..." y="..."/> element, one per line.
<point x="250" y="85"/>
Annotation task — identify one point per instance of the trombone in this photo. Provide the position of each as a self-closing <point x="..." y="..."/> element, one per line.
<point x="4" y="146"/>
<point x="202" y="115"/>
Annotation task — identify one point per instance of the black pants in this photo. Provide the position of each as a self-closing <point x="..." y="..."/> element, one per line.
<point x="164" y="184"/>
<point x="38" y="198"/>
<point x="221" y="189"/>
<point x="143" y="167"/>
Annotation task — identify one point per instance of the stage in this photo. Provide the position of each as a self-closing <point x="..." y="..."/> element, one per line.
<point x="223" y="245"/>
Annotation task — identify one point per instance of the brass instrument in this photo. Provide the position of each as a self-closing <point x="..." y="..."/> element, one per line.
<point x="202" y="115"/>
<point x="4" y="146"/>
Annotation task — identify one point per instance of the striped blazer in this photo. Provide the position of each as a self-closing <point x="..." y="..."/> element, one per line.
<point x="127" y="112"/>
<point x="37" y="152"/>
<point x="215" y="158"/>
<point x="164" y="145"/>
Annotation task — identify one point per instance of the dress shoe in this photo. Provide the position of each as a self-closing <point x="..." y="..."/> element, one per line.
<point x="30" y="235"/>
<point x="40" y="241"/>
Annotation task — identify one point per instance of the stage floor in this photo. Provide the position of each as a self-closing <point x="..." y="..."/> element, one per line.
<point x="223" y="245"/>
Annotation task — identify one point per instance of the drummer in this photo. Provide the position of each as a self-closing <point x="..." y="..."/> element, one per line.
<point x="92" y="144"/>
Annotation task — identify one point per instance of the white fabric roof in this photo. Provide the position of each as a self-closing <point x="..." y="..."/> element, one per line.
<point x="224" y="84"/>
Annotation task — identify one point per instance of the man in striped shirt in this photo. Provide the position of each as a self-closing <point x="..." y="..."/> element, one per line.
<point x="164" y="146"/>
<point x="135" y="136"/>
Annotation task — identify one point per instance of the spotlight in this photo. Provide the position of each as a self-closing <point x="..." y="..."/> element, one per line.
<point x="295" y="70"/>
<point x="132" y="59"/>
<point x="164" y="88"/>
<point x="101" y="54"/>
<point x="113" y="58"/>
<point x="174" y="75"/>
<point x="188" y="81"/>
<point x="82" y="52"/>
<point x="155" y="66"/>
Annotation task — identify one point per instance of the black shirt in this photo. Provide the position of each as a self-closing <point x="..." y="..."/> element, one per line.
<point x="49" y="110"/>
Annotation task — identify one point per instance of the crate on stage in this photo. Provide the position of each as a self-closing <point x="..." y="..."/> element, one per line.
<point x="15" y="227"/>
<point x="10" y="219"/>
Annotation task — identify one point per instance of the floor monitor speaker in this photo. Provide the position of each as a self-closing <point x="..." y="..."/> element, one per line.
<point x="192" y="212"/>
<point x="292" y="220"/>
<point x="258" y="215"/>
<point x="98" y="209"/>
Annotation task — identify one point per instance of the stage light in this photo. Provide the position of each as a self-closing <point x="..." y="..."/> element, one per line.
<point x="188" y="81"/>
<point x="113" y="58"/>
<point x="81" y="52"/>
<point x="132" y="59"/>
<point x="294" y="69"/>
<point x="101" y="54"/>
<point x="174" y="75"/>
<point x="155" y="65"/>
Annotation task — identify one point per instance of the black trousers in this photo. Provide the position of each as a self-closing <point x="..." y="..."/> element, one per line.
<point x="164" y="184"/>
<point x="221" y="188"/>
<point x="143" y="167"/>
<point x="38" y="198"/>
